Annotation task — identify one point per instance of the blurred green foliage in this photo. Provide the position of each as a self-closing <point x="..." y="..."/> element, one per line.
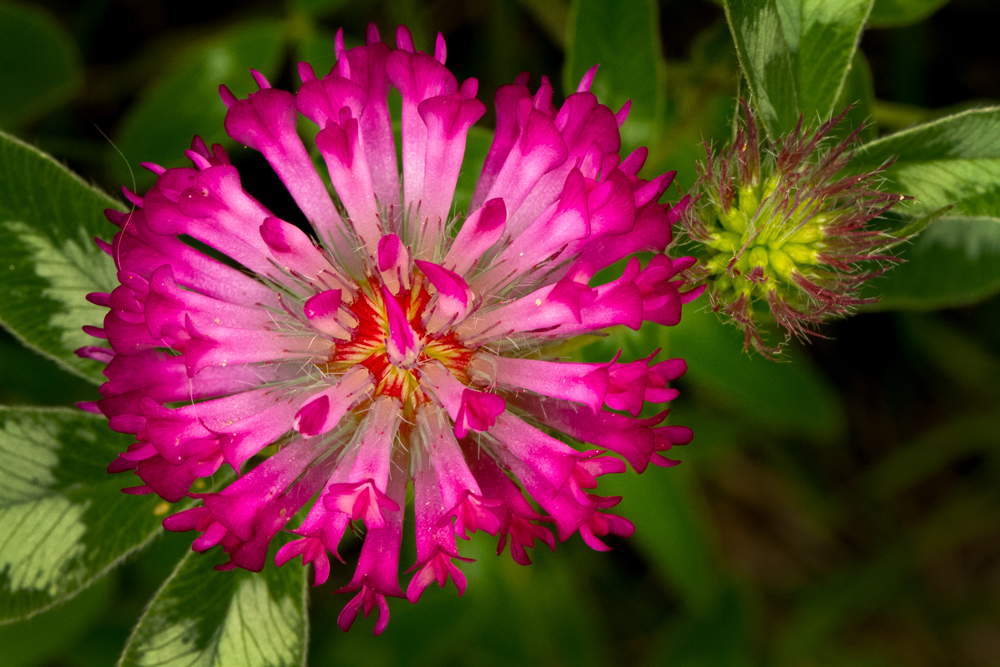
<point x="842" y="508"/>
<point x="48" y="71"/>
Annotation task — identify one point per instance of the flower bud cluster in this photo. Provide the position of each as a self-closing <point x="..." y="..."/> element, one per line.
<point x="785" y="237"/>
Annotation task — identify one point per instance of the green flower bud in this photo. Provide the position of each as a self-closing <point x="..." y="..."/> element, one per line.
<point x="784" y="241"/>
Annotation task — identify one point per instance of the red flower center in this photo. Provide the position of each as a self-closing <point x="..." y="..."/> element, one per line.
<point x="367" y="347"/>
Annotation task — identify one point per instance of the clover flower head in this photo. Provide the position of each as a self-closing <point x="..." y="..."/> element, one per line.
<point x="394" y="344"/>
<point x="786" y="237"/>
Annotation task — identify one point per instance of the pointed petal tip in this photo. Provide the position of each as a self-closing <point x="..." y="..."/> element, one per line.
<point x="587" y="80"/>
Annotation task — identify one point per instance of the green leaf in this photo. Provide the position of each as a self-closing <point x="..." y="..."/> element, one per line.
<point x="952" y="163"/>
<point x="955" y="262"/>
<point x="623" y="38"/>
<point x="822" y="36"/>
<point x="39" y="64"/>
<point x="48" y="259"/>
<point x="186" y="102"/>
<point x="766" y="61"/>
<point x="796" y="55"/>
<point x="896" y="13"/>
<point x="234" y="618"/>
<point x="64" y="521"/>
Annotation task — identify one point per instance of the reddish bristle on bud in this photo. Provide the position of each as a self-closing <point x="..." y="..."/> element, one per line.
<point x="786" y="238"/>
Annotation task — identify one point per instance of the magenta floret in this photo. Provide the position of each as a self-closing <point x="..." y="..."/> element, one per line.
<point x="400" y="345"/>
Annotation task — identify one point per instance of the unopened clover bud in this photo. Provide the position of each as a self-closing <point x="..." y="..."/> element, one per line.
<point x="785" y="236"/>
